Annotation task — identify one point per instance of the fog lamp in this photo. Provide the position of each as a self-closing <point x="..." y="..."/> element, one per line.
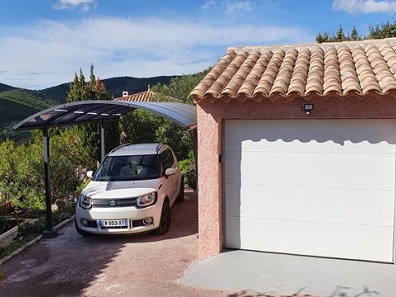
<point x="147" y="221"/>
<point x="84" y="222"/>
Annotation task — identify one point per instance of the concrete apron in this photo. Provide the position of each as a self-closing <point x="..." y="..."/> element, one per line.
<point x="279" y="274"/>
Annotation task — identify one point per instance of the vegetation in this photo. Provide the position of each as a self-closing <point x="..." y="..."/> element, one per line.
<point x="89" y="134"/>
<point x="187" y="167"/>
<point x="142" y="126"/>
<point x="385" y="30"/>
<point x="15" y="105"/>
<point x="21" y="169"/>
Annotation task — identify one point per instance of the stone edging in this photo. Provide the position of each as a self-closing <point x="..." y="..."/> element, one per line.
<point x="33" y="241"/>
<point x="8" y="236"/>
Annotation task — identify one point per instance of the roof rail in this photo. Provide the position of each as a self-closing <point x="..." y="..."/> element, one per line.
<point x="118" y="147"/>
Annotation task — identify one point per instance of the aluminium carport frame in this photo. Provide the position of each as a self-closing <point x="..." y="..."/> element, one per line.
<point x="99" y="111"/>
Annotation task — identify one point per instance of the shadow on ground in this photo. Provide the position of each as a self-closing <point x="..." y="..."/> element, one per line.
<point x="72" y="265"/>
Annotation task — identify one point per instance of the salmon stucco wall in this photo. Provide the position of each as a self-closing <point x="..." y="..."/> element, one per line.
<point x="209" y="187"/>
<point x="210" y="115"/>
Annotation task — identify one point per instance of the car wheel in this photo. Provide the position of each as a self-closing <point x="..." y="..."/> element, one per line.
<point x="81" y="232"/>
<point x="165" y="220"/>
<point x="180" y="196"/>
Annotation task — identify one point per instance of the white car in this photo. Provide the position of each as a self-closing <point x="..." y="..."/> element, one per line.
<point x="132" y="191"/>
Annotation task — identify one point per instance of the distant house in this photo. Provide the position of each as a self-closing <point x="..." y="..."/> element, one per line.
<point x="297" y="150"/>
<point x="146" y="96"/>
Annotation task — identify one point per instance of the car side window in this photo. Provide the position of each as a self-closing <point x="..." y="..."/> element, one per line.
<point x="167" y="159"/>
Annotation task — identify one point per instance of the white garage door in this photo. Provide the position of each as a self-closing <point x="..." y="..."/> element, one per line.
<point x="311" y="187"/>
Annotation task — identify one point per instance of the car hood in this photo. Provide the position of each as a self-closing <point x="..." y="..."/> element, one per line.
<point x="120" y="189"/>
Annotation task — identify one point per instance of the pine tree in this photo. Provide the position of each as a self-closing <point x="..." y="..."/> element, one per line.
<point x="89" y="133"/>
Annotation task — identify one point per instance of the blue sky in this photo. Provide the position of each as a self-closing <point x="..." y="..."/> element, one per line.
<point x="43" y="43"/>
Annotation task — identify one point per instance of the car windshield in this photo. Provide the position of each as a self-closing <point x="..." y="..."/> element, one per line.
<point x="121" y="168"/>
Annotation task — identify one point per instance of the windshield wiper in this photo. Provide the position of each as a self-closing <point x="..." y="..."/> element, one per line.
<point x="102" y="179"/>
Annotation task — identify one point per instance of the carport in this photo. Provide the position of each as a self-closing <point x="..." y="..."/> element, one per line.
<point x="99" y="111"/>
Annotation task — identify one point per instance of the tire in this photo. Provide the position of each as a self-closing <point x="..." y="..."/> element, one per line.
<point x="180" y="196"/>
<point x="165" y="220"/>
<point x="81" y="232"/>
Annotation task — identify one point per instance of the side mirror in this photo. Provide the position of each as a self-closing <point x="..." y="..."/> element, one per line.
<point x="170" y="171"/>
<point x="90" y="173"/>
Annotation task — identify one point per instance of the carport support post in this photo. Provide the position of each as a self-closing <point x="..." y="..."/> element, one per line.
<point x="49" y="232"/>
<point x="102" y="141"/>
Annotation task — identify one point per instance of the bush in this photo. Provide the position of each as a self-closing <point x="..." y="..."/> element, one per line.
<point x="22" y="169"/>
<point x="187" y="167"/>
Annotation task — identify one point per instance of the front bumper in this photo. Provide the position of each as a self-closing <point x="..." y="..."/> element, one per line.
<point x="88" y="219"/>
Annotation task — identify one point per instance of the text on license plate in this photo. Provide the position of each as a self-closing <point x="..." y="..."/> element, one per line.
<point x="113" y="223"/>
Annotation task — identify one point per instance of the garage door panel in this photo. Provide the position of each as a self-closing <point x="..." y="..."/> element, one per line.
<point x="363" y="136"/>
<point x="296" y="237"/>
<point x="329" y="146"/>
<point x="318" y="170"/>
<point x="341" y="206"/>
<point x="313" y="187"/>
<point x="233" y="173"/>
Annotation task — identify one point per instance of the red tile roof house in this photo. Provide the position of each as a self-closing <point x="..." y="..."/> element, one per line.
<point x="297" y="151"/>
<point x="146" y="96"/>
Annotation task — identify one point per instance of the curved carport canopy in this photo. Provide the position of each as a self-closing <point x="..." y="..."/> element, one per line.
<point x="105" y="110"/>
<point x="99" y="111"/>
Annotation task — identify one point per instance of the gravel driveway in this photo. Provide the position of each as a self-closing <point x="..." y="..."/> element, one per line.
<point x="130" y="265"/>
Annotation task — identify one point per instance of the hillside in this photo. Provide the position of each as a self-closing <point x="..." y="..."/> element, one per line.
<point x="114" y="86"/>
<point x="17" y="104"/>
<point x="4" y="87"/>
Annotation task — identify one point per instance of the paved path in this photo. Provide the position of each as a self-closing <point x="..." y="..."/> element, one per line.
<point x="144" y="265"/>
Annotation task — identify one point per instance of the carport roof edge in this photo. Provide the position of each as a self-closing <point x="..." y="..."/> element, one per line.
<point x="105" y="110"/>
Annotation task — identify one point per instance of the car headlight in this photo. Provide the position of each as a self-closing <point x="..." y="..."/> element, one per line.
<point x="85" y="201"/>
<point x="146" y="200"/>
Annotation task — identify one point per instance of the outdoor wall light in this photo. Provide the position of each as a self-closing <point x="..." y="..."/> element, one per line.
<point x="307" y="108"/>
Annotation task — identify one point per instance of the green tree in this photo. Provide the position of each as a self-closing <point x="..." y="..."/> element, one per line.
<point x="340" y="35"/>
<point x="89" y="133"/>
<point x="21" y="174"/>
<point x="21" y="168"/>
<point x="139" y="126"/>
<point x="142" y="126"/>
<point x="180" y="87"/>
<point x="384" y="30"/>
<point x="177" y="137"/>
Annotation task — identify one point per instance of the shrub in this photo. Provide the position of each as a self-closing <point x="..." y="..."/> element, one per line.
<point x="187" y="167"/>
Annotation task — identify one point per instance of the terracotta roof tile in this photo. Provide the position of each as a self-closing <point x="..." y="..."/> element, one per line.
<point x="146" y="96"/>
<point x="306" y="70"/>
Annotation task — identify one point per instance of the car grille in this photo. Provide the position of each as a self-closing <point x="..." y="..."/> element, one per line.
<point x="125" y="202"/>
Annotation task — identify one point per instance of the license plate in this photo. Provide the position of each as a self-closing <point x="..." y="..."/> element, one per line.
<point x="113" y="223"/>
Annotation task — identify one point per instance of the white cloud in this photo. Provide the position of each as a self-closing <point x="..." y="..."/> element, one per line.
<point x="229" y="6"/>
<point x="209" y="4"/>
<point x="364" y="6"/>
<point x="72" y="4"/>
<point x="238" y="6"/>
<point x="51" y="52"/>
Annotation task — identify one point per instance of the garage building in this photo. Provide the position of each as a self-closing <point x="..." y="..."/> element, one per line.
<point x="297" y="151"/>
